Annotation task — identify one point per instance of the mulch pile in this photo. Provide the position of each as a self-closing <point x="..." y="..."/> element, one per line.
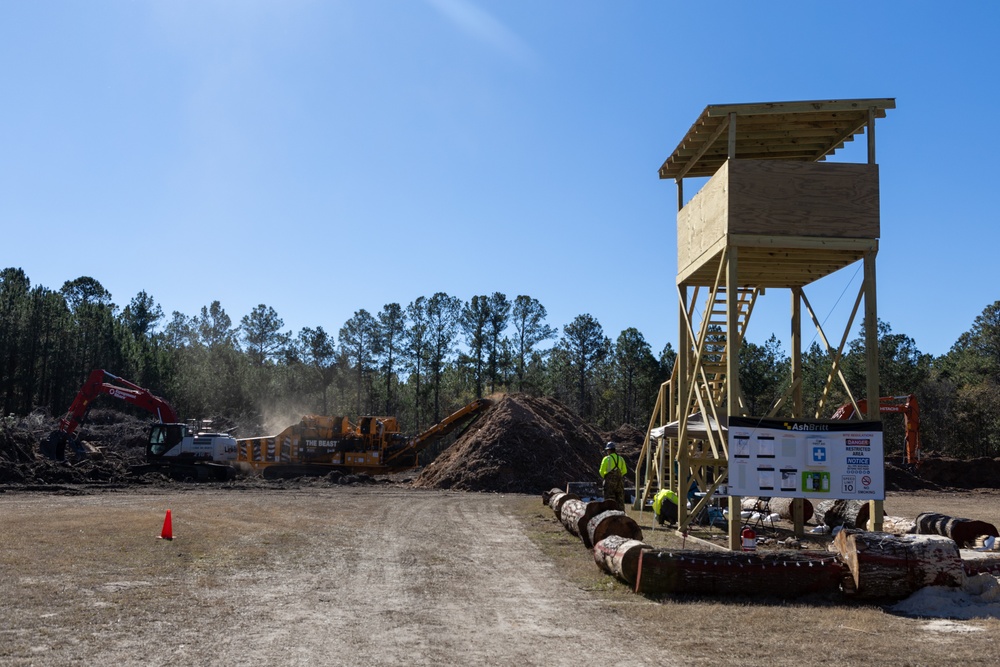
<point x="522" y="444"/>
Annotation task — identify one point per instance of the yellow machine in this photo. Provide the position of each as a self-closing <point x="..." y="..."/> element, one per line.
<point x="318" y="445"/>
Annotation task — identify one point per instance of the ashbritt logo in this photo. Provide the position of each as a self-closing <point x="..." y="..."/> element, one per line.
<point x="807" y="427"/>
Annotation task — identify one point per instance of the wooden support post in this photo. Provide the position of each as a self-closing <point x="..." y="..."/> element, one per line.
<point x="798" y="508"/>
<point x="871" y="365"/>
<point x="683" y="355"/>
<point x="871" y="135"/>
<point x="733" y="367"/>
<point x="731" y="152"/>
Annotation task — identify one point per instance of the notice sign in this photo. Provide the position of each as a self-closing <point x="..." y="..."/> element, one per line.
<point x="794" y="458"/>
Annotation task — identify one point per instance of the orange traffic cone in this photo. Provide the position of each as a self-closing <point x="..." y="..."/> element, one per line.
<point x="168" y="528"/>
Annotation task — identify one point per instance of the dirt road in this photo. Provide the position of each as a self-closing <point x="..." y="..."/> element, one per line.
<point x="334" y="576"/>
<point x="388" y="575"/>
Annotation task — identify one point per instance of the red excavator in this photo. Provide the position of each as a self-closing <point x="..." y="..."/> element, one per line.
<point x="905" y="405"/>
<point x="173" y="448"/>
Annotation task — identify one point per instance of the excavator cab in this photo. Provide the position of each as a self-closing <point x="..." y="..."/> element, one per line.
<point x="164" y="437"/>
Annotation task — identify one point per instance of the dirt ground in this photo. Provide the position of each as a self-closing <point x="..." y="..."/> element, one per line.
<point x="458" y="563"/>
<point x="391" y="575"/>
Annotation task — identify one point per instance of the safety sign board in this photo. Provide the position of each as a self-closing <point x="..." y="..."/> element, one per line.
<point x="794" y="458"/>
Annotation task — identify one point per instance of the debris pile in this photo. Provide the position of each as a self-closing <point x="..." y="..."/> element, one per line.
<point x="120" y="437"/>
<point x="522" y="444"/>
<point x="947" y="472"/>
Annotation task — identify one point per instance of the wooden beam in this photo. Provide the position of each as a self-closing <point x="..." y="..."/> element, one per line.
<point x="733" y="376"/>
<point x="731" y="148"/>
<point x="696" y="155"/>
<point x="765" y="149"/>
<point x="846" y="135"/>
<point x="871" y="366"/>
<point x="804" y="242"/>
<point x="836" y="356"/>
<point x="799" y="107"/>
<point x="871" y="135"/>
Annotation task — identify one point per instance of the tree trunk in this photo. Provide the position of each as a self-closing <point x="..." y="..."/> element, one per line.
<point x="547" y="495"/>
<point x="898" y="525"/>
<point x="896" y="566"/>
<point x="612" y="522"/>
<point x="570" y="515"/>
<point x="781" y="506"/>
<point x="781" y="574"/>
<point x="978" y="562"/>
<point x="846" y="513"/>
<point x="576" y="514"/>
<point x="556" y="501"/>
<point x="963" y="531"/>
<point x="619" y="556"/>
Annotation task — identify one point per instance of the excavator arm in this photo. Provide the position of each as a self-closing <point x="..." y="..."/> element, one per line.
<point x="904" y="405"/>
<point x="99" y="383"/>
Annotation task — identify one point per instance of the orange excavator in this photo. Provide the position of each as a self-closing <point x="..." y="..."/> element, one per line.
<point x="905" y="405"/>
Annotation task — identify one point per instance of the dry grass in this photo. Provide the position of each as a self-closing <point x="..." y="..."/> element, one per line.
<point x="85" y="580"/>
<point x="724" y="631"/>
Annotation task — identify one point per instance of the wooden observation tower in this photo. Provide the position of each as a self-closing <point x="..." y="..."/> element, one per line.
<point x="773" y="215"/>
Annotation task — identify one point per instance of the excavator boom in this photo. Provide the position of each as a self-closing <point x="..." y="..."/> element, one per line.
<point x="906" y="405"/>
<point x="99" y="383"/>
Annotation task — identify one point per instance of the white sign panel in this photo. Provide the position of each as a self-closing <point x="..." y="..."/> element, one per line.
<point x="793" y="458"/>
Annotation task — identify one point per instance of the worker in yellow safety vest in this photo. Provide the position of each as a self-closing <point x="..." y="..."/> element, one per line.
<point x="665" y="506"/>
<point x="613" y="471"/>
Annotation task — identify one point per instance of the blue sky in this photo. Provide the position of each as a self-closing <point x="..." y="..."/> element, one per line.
<point x="326" y="156"/>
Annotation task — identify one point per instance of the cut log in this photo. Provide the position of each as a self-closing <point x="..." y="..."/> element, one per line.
<point x="557" y="499"/>
<point x="619" y="556"/>
<point x="593" y="508"/>
<point x="783" y="508"/>
<point x="887" y="566"/>
<point x="612" y="522"/>
<point x="780" y="506"/>
<point x="898" y="525"/>
<point x="547" y="495"/>
<point x="576" y="514"/>
<point x="963" y="531"/>
<point x="979" y="562"/>
<point x="846" y="513"/>
<point x="570" y="515"/>
<point x="782" y="574"/>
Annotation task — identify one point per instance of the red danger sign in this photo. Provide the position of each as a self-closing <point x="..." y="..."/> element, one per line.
<point x="866" y="480"/>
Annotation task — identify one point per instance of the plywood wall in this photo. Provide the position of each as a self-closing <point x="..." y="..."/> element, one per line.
<point x="780" y="198"/>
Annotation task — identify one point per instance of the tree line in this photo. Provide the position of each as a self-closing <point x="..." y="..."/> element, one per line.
<point x="418" y="362"/>
<point x="421" y="361"/>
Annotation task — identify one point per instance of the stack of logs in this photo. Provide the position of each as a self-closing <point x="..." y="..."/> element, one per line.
<point x="864" y="565"/>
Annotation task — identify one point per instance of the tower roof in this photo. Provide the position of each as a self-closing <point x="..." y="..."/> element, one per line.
<point x="801" y="131"/>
